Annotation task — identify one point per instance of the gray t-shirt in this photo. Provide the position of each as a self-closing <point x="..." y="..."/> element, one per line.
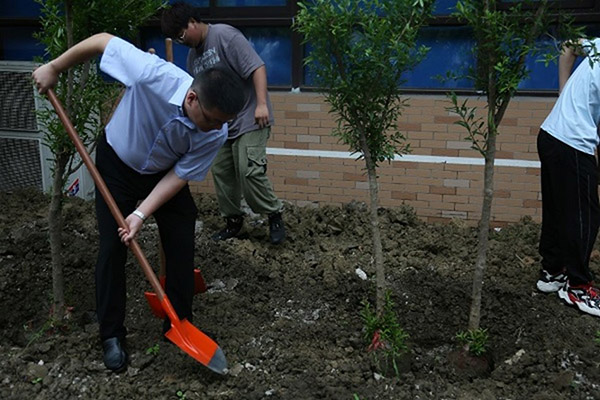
<point x="226" y="47"/>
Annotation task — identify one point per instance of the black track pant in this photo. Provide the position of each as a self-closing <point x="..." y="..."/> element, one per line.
<point x="176" y="222"/>
<point x="570" y="209"/>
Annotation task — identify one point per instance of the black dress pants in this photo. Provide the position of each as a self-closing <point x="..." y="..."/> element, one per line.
<point x="570" y="208"/>
<point x="176" y="221"/>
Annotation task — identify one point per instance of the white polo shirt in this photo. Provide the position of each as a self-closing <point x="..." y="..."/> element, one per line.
<point x="575" y="117"/>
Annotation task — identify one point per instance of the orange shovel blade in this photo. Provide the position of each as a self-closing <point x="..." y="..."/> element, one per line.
<point x="195" y="343"/>
<point x="199" y="283"/>
<point x="154" y="302"/>
<point x="155" y="305"/>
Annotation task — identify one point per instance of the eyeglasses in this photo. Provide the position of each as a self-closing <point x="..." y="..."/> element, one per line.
<point x="209" y="119"/>
<point x="181" y="38"/>
<point x="213" y="121"/>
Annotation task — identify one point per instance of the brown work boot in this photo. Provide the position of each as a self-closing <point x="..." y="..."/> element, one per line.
<point x="234" y="225"/>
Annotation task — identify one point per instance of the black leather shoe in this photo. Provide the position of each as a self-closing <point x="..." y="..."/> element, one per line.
<point x="276" y="228"/>
<point x="234" y="225"/>
<point x="115" y="356"/>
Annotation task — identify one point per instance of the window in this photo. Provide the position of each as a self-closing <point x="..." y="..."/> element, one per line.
<point x="444" y="7"/>
<point x="19" y="9"/>
<point x="18" y="44"/>
<point x="195" y="3"/>
<point x="251" y="3"/>
<point x="273" y="45"/>
<point x="450" y="47"/>
<point x="268" y="26"/>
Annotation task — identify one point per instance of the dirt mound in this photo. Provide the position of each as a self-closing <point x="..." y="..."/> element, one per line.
<point x="287" y="317"/>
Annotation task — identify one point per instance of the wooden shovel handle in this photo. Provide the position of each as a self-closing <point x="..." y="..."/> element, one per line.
<point x="112" y="205"/>
<point x="162" y="270"/>
<point x="169" y="49"/>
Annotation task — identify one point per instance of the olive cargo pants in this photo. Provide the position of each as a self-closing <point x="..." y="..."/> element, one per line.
<point x="239" y="170"/>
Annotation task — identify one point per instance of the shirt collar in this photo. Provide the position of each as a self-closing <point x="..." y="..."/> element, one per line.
<point x="179" y="96"/>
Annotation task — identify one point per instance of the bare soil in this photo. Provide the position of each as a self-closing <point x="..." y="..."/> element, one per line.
<point x="287" y="317"/>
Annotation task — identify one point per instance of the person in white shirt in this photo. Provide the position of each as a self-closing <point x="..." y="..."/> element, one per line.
<point x="567" y="143"/>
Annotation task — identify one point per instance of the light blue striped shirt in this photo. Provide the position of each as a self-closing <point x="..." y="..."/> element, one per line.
<point x="148" y="130"/>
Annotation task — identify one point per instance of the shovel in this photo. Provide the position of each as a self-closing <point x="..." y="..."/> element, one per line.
<point x="185" y="335"/>
<point x="152" y="298"/>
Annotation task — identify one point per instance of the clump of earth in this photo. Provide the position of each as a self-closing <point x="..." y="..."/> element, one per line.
<point x="288" y="317"/>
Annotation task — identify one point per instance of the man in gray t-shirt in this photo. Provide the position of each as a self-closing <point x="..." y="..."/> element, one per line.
<point x="240" y="167"/>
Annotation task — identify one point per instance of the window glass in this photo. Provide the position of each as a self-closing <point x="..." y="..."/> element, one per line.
<point x="450" y="50"/>
<point x="196" y="3"/>
<point x="444" y="7"/>
<point x="274" y="46"/>
<point x="19" y="8"/>
<point x="593" y="30"/>
<point x="250" y="3"/>
<point x="307" y="73"/>
<point x="545" y="77"/>
<point x="541" y="76"/>
<point x="18" y="44"/>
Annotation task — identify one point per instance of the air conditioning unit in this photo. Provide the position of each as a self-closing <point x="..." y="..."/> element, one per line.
<point x="24" y="159"/>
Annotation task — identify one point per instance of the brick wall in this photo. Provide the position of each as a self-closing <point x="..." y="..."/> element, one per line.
<point x="441" y="178"/>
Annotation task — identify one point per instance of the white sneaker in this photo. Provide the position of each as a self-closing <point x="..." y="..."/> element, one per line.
<point x="549" y="283"/>
<point x="585" y="297"/>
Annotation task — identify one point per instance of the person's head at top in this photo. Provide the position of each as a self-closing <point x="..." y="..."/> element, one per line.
<point x="182" y="23"/>
<point x="214" y="98"/>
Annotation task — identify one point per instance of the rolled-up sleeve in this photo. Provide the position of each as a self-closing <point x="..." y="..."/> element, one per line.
<point x="195" y="164"/>
<point x="125" y="62"/>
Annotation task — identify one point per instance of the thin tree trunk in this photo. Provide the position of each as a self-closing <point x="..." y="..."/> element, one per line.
<point x="55" y="227"/>
<point x="488" y="195"/>
<point x="483" y="234"/>
<point x="374" y="222"/>
<point x="55" y="215"/>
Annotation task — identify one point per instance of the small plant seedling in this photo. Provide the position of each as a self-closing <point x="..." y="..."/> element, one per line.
<point x="36" y="381"/>
<point x="474" y="340"/>
<point x="384" y="333"/>
<point x="48" y="325"/>
<point x="386" y="326"/>
<point x="180" y="395"/>
<point x="153" y="350"/>
<point x="597" y="338"/>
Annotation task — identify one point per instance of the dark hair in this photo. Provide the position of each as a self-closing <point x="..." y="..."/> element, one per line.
<point x="221" y="89"/>
<point x="176" y="18"/>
